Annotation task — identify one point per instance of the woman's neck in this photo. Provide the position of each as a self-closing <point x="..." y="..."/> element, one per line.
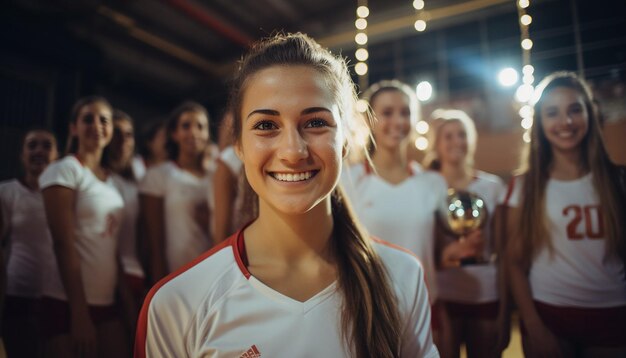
<point x="90" y="158"/>
<point x="31" y="180"/>
<point x="458" y="175"/>
<point x="566" y="165"/>
<point x="387" y="159"/>
<point x="291" y="238"/>
<point x="391" y="164"/>
<point x="190" y="162"/>
<point x="120" y="165"/>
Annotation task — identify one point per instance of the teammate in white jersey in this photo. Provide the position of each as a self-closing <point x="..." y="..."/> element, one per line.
<point x="568" y="248"/>
<point x="303" y="279"/>
<point x="83" y="210"/>
<point x="468" y="293"/>
<point x="120" y="159"/>
<point x="28" y="245"/>
<point x="395" y="199"/>
<point x="175" y="195"/>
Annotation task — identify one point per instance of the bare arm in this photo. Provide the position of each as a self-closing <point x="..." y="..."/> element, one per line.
<point x="153" y="217"/>
<point x="541" y="342"/>
<point x="59" y="206"/>
<point x="224" y="191"/>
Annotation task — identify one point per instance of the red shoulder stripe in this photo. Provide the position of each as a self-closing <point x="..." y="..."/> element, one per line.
<point x="509" y="191"/>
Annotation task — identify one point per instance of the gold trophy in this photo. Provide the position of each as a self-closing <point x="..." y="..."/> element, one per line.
<point x="461" y="213"/>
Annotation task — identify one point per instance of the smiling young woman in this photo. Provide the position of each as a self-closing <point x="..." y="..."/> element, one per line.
<point x="302" y="279"/>
<point x="567" y="245"/>
<point x="83" y="210"/>
<point x="175" y="195"/>
<point x="473" y="313"/>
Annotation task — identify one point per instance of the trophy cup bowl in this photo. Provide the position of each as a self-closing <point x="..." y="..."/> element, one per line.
<point x="461" y="213"/>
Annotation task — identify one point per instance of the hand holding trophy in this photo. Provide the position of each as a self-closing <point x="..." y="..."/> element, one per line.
<point x="462" y="214"/>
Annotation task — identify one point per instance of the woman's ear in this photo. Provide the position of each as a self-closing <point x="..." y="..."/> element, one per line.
<point x="345" y="150"/>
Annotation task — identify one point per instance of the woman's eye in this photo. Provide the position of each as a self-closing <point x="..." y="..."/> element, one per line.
<point x="576" y="109"/>
<point x="265" y="126"/>
<point x="316" y="123"/>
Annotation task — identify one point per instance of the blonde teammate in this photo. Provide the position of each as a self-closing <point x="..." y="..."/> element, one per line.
<point x="302" y="279"/>
<point x="468" y="294"/>
<point x="567" y="248"/>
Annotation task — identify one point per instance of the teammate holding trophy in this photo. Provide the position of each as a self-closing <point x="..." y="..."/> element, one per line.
<point x="468" y="291"/>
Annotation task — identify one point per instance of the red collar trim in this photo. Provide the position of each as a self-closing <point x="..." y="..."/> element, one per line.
<point x="239" y="250"/>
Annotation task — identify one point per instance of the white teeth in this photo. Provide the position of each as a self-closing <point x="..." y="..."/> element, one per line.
<point x="565" y="134"/>
<point x="293" y="177"/>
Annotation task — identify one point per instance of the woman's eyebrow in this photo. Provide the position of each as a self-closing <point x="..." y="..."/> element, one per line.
<point x="315" y="109"/>
<point x="269" y="112"/>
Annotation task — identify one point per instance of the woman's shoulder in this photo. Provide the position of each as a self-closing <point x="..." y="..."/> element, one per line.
<point x="215" y="270"/>
<point x="488" y="178"/>
<point x="398" y="260"/>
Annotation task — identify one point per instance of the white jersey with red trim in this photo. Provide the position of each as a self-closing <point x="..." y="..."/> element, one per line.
<point x="214" y="307"/>
<point x="127" y="234"/>
<point x="476" y="283"/>
<point x="29" y="244"/>
<point x="577" y="273"/>
<point x="184" y="195"/>
<point x="402" y="213"/>
<point x="97" y="218"/>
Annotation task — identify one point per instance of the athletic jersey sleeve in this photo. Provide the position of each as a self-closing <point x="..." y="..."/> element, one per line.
<point x="66" y="172"/>
<point x="165" y="329"/>
<point x="155" y="181"/>
<point x="407" y="277"/>
<point x="417" y="337"/>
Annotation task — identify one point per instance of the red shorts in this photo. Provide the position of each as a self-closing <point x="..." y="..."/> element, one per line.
<point x="486" y="311"/>
<point x="592" y="327"/>
<point x="55" y="315"/>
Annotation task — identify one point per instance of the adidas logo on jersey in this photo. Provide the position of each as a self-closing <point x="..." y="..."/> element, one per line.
<point x="253" y="352"/>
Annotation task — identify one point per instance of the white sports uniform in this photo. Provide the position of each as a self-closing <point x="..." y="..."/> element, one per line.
<point x="214" y="307"/>
<point x="234" y="164"/>
<point x="182" y="193"/>
<point x="97" y="217"/>
<point x="29" y="242"/>
<point x="139" y="167"/>
<point x="404" y="213"/>
<point x="475" y="283"/>
<point x="127" y="234"/>
<point x="577" y="273"/>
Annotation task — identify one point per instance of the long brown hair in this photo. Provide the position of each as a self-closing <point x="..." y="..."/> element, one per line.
<point x="370" y="317"/>
<point x="594" y="159"/>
